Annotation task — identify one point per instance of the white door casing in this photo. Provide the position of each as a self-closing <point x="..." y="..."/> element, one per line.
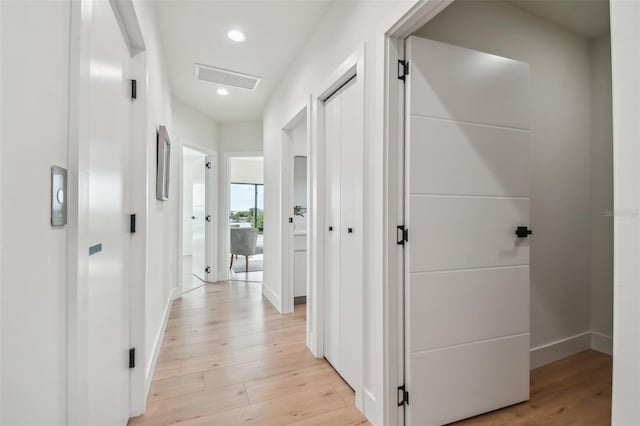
<point x="108" y="230"/>
<point x="466" y="192"/>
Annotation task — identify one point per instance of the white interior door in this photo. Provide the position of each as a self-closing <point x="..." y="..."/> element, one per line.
<point x="108" y="286"/>
<point x="467" y="272"/>
<point x="199" y="220"/>
<point x="332" y="240"/>
<point x="343" y="310"/>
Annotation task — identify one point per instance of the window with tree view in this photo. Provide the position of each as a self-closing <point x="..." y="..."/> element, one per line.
<point x="247" y="205"/>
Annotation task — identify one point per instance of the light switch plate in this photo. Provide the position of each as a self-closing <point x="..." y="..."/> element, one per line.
<point x="58" y="196"/>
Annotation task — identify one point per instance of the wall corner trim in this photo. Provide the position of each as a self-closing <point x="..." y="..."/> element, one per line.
<point x="602" y="343"/>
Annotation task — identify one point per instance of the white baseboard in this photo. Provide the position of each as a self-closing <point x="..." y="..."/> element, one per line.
<point x="554" y="351"/>
<point x="157" y="343"/>
<point x="602" y="343"/>
<point x="272" y="297"/>
<point x="370" y="409"/>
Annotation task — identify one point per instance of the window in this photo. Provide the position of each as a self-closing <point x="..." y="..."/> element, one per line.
<point x="247" y="205"/>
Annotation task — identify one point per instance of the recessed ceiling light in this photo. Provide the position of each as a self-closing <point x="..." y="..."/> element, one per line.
<point x="237" y="36"/>
<point x="222" y="91"/>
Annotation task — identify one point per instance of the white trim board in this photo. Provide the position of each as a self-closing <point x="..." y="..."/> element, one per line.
<point x="272" y="297"/>
<point x="568" y="346"/>
<point x="157" y="345"/>
<point x="602" y="343"/>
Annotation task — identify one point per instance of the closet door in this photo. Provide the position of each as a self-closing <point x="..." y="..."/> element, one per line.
<point x="351" y="232"/>
<point x="343" y="256"/>
<point x="333" y="226"/>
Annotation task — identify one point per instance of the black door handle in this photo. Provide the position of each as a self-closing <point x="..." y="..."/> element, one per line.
<point x="349" y="230"/>
<point x="290" y="220"/>
<point x="208" y="218"/>
<point x="330" y="228"/>
<point x="523" y="232"/>
<point x="193" y="217"/>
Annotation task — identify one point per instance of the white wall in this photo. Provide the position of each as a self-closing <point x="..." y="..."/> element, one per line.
<point x="346" y="27"/>
<point x="601" y="188"/>
<point x="162" y="279"/>
<point x="625" y="36"/>
<point x="243" y="136"/>
<point x="560" y="152"/>
<point x="246" y="170"/>
<point x="34" y="137"/>
<point x="192" y="126"/>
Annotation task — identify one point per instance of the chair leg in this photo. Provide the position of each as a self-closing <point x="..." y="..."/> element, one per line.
<point x="231" y="265"/>
<point x="246" y="264"/>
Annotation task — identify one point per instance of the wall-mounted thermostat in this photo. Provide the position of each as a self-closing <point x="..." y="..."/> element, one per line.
<point x="58" y="196"/>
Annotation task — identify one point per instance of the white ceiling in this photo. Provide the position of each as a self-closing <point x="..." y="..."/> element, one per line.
<point x="587" y="18"/>
<point x="195" y="32"/>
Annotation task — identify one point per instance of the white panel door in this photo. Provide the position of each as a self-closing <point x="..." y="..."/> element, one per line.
<point x="343" y="257"/>
<point x="332" y="241"/>
<point x="467" y="272"/>
<point x="109" y="239"/>
<point x="198" y="228"/>
<point x="351" y="130"/>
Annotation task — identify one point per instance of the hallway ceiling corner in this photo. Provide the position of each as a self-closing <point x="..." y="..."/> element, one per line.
<point x="195" y="32"/>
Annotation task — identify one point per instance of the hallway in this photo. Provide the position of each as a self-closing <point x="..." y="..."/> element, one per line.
<point x="229" y="358"/>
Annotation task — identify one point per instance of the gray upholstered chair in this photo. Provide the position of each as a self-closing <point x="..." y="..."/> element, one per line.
<point x="243" y="243"/>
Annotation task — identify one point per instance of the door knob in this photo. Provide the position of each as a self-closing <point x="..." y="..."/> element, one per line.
<point x="290" y="220"/>
<point x="523" y="232"/>
<point x="208" y="218"/>
<point x="330" y="228"/>
<point x="349" y="230"/>
<point x="193" y="217"/>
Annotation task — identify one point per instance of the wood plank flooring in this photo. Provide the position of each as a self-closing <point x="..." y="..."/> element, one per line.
<point x="229" y="358"/>
<point x="572" y="391"/>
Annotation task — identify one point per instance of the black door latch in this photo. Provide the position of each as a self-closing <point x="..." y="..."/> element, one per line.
<point x="523" y="232"/>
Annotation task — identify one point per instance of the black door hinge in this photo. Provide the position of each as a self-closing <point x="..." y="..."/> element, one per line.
<point x="403" y="396"/>
<point x="132" y="358"/>
<point x="134" y="89"/>
<point x="207" y="164"/>
<point x="403" y="235"/>
<point x="207" y="269"/>
<point x="132" y="223"/>
<point x="403" y="69"/>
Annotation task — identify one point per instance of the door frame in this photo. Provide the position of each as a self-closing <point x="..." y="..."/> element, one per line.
<point x="211" y="180"/>
<point x="224" y="223"/>
<point x="354" y="65"/>
<point x="624" y="38"/>
<point x="393" y="214"/>
<point x="78" y="206"/>
<point x="300" y="114"/>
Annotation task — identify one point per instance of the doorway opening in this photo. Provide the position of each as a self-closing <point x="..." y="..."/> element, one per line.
<point x="560" y="114"/>
<point x="296" y="207"/>
<point x="198" y="206"/>
<point x="246" y="218"/>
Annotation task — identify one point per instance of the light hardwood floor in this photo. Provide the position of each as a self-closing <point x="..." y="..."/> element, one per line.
<point x="572" y="391"/>
<point x="229" y="358"/>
